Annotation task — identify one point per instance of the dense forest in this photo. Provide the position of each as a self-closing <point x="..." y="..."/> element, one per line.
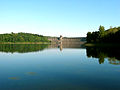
<point x="22" y="37"/>
<point x="111" y="35"/>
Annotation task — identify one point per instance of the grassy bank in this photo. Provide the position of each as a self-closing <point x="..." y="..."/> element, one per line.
<point x="102" y="44"/>
<point x="24" y="42"/>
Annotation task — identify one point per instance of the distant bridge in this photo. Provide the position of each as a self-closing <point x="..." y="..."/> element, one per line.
<point x="67" y="40"/>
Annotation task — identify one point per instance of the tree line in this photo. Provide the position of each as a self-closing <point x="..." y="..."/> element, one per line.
<point x="111" y="35"/>
<point x="22" y="37"/>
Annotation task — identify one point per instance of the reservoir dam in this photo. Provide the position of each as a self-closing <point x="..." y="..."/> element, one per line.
<point x="67" y="40"/>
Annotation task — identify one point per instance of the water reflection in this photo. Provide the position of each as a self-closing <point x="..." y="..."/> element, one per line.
<point x="63" y="46"/>
<point x="21" y="48"/>
<point x="52" y="69"/>
<point x="112" y="53"/>
<point x="25" y="48"/>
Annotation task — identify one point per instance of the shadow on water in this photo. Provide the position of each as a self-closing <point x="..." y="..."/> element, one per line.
<point x="112" y="53"/>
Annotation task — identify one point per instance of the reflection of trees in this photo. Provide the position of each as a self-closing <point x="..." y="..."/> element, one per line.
<point x="114" y="61"/>
<point x="21" y="48"/>
<point x="111" y="53"/>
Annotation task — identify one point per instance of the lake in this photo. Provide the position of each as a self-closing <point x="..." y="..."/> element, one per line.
<point x="53" y="67"/>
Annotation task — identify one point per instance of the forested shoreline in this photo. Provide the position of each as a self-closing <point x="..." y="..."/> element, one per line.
<point x="111" y="35"/>
<point x="22" y="38"/>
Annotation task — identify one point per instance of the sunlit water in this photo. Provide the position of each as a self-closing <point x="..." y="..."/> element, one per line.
<point x="55" y="69"/>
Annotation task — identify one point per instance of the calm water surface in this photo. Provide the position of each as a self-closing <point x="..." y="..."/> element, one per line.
<point x="42" y="67"/>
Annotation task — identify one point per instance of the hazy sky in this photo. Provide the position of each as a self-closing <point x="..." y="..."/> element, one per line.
<point x="58" y="17"/>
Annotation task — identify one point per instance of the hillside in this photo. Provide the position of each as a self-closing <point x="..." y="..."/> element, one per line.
<point x="22" y="37"/>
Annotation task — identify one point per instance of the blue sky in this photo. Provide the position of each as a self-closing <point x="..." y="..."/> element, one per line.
<point x="58" y="17"/>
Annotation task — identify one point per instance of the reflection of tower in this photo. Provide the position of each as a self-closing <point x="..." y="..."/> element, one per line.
<point x="60" y="42"/>
<point x="61" y="48"/>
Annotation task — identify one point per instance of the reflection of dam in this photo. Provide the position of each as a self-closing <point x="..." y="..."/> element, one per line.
<point x="66" y="46"/>
<point x="67" y="40"/>
<point x="62" y="46"/>
<point x="25" y="48"/>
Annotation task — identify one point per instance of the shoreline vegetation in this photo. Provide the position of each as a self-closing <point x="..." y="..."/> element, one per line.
<point x="109" y="37"/>
<point x="101" y="38"/>
<point x="23" y="38"/>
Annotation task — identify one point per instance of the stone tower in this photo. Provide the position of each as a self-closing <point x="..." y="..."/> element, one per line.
<point x="61" y="39"/>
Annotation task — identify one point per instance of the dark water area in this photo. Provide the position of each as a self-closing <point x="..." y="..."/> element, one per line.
<point x="59" y="67"/>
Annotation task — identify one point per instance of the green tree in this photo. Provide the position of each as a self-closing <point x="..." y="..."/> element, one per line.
<point x="101" y="31"/>
<point x="101" y="28"/>
<point x="89" y="37"/>
<point x="111" y="35"/>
